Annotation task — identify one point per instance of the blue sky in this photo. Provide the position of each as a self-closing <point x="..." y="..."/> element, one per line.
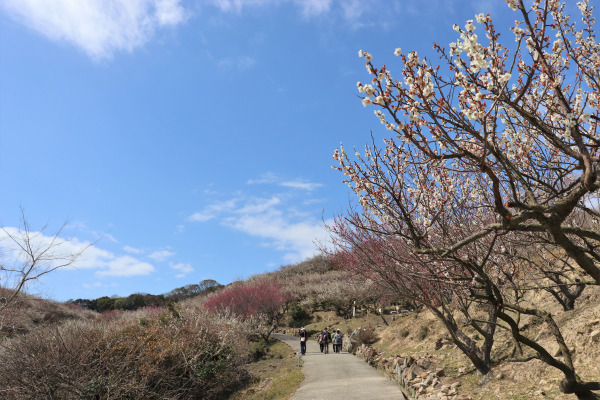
<point x="191" y="139"/>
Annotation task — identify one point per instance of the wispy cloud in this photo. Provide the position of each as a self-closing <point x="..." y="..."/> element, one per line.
<point x="301" y="185"/>
<point x="313" y="7"/>
<point x="281" y="221"/>
<point x="238" y="5"/>
<point x="273" y="179"/>
<point x="183" y="268"/>
<point x="131" y="250"/>
<point x="239" y="63"/>
<point x="212" y="211"/>
<point x="125" y="266"/>
<point x="278" y="229"/>
<point x="353" y="9"/>
<point x="257" y="206"/>
<point x="98" y="27"/>
<point x="308" y="8"/>
<point x="161" y="255"/>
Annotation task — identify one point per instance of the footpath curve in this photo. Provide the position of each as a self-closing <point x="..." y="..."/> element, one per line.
<point x="338" y="376"/>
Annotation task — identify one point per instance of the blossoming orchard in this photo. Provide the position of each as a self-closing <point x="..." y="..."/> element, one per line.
<point x="486" y="189"/>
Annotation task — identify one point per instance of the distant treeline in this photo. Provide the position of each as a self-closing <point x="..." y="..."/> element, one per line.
<point x="141" y="300"/>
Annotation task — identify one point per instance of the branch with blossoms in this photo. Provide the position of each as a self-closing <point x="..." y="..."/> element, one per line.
<point x="522" y="119"/>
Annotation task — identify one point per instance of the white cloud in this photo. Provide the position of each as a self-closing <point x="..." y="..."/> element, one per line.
<point x="256" y="206"/>
<point x="201" y="216"/>
<point x="313" y="7"/>
<point x="185" y="269"/>
<point x="169" y="12"/>
<point x="280" y="221"/>
<point x="98" y="27"/>
<point x="266" y="178"/>
<point x="301" y="185"/>
<point x="295" y="238"/>
<point x="307" y="7"/>
<point x="132" y="250"/>
<point x="271" y="178"/>
<point x="353" y="9"/>
<point x="212" y="211"/>
<point x="60" y="250"/>
<point x="237" y="5"/>
<point x="125" y="266"/>
<point x="161" y="255"/>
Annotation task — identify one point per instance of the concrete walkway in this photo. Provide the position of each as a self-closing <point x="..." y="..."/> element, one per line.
<point x="338" y="376"/>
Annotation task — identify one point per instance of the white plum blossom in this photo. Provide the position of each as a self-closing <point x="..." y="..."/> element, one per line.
<point x="368" y="90"/>
<point x="365" y="54"/>
<point x="530" y="44"/>
<point x="504" y="78"/>
<point x="398" y="51"/>
<point x="514" y="4"/>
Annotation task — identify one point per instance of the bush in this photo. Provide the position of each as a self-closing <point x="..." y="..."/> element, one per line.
<point x="367" y="336"/>
<point x="298" y="313"/>
<point x="423" y="332"/>
<point x="195" y="356"/>
<point x="257" y="350"/>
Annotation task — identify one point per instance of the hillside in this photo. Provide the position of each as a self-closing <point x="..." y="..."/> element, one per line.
<point x="326" y="296"/>
<point x="411" y="346"/>
<point x="441" y="369"/>
<point x="29" y="312"/>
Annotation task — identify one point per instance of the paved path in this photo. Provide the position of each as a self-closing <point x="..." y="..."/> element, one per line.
<point x="338" y="376"/>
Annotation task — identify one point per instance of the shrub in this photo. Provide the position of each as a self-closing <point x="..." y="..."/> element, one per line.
<point x="258" y="302"/>
<point x="195" y="356"/>
<point x="257" y="350"/>
<point x="423" y="332"/>
<point x="298" y="313"/>
<point x="367" y="336"/>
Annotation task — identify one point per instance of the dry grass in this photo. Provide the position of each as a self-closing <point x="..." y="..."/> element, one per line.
<point x="27" y="313"/>
<point x="508" y="380"/>
<point x="152" y="355"/>
<point x="275" y="377"/>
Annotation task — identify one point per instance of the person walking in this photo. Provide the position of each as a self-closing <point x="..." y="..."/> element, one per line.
<point x="326" y="340"/>
<point x="303" y="338"/>
<point x="321" y="341"/>
<point x="337" y="342"/>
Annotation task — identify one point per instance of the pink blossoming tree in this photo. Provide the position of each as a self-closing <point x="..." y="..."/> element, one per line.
<point x="259" y="301"/>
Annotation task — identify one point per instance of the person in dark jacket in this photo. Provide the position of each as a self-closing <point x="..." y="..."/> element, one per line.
<point x="326" y="340"/>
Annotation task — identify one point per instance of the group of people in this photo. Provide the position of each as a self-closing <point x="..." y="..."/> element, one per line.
<point x="324" y="338"/>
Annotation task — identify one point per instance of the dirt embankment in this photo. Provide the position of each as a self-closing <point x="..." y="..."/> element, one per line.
<point x="415" y="350"/>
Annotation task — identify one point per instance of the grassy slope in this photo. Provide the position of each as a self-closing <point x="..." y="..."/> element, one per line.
<point x="274" y="377"/>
